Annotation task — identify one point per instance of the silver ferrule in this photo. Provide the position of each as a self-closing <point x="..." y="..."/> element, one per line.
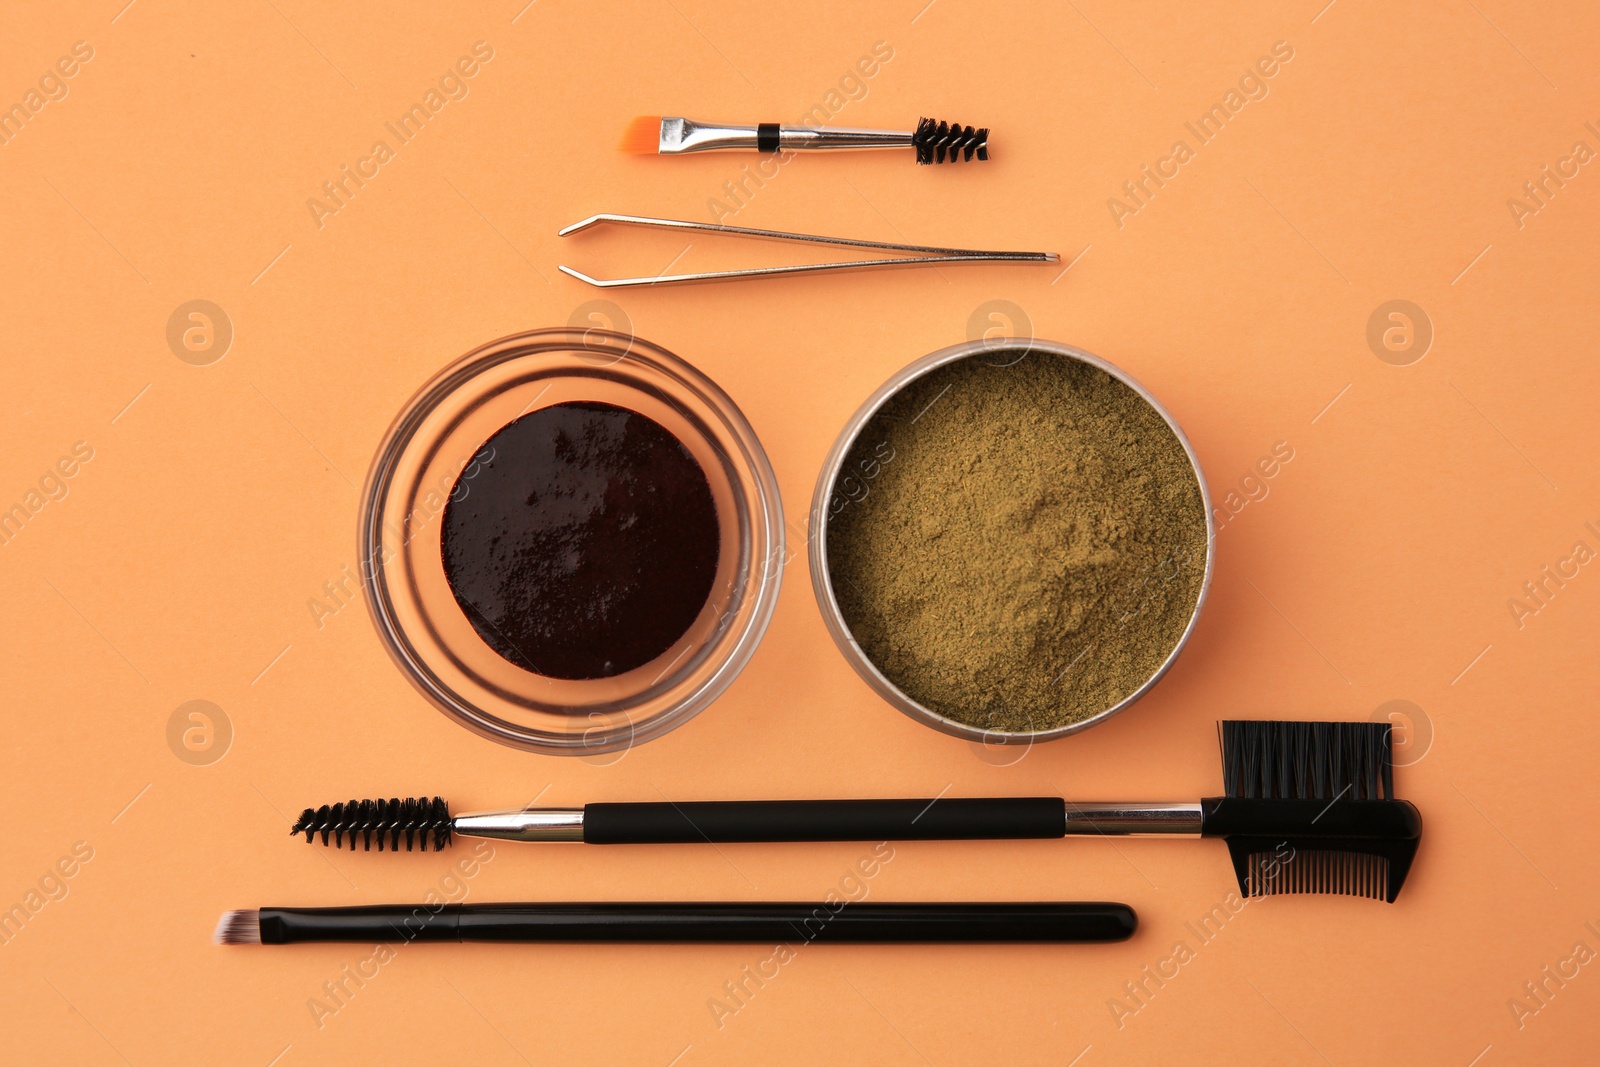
<point x="686" y="135"/>
<point x="679" y="135"/>
<point x="529" y="824"/>
<point x="1132" y="817"/>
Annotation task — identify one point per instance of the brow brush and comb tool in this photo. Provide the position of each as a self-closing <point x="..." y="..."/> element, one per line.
<point x="934" y="142"/>
<point x="1307" y="807"/>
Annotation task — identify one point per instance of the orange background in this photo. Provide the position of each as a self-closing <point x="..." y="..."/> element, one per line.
<point x="181" y="563"/>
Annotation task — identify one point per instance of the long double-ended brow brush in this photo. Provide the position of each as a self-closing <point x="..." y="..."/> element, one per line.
<point x="935" y="142"/>
<point x="1307" y="807"/>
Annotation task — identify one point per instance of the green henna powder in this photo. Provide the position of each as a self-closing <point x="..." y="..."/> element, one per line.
<point x="1017" y="547"/>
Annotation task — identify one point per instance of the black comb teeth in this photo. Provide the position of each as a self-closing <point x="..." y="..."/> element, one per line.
<point x="939" y="142"/>
<point x="1307" y="760"/>
<point x="388" y="822"/>
<point x="1355" y="874"/>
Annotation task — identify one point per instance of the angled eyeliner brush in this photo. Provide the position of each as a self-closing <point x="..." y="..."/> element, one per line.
<point x="757" y="922"/>
<point x="1307" y="807"/>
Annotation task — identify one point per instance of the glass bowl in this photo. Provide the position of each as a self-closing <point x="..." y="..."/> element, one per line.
<point x="835" y="488"/>
<point x="429" y="454"/>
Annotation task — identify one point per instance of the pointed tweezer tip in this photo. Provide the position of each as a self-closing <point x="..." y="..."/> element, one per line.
<point x="582" y="277"/>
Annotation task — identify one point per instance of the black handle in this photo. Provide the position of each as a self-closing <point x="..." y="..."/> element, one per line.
<point x="824" y="820"/>
<point x="761" y="923"/>
<point x="1396" y="820"/>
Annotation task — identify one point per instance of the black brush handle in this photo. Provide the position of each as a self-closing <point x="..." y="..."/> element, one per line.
<point x="824" y="820"/>
<point x="792" y="922"/>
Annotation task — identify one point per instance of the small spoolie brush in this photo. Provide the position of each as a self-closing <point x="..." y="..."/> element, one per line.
<point x="1307" y="807"/>
<point x="935" y="142"/>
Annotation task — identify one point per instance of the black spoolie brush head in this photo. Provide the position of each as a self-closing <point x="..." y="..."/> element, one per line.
<point x="384" y="821"/>
<point x="937" y="142"/>
<point x="1309" y="807"/>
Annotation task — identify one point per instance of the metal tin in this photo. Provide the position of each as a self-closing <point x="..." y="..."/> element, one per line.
<point x="818" y="538"/>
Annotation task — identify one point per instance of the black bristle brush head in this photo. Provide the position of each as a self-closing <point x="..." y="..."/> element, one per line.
<point x="241" y="927"/>
<point x="1307" y="760"/>
<point x="418" y="822"/>
<point x="941" y="142"/>
<point x="1309" y="807"/>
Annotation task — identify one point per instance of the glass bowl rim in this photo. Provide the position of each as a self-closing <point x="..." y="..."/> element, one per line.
<point x="764" y="578"/>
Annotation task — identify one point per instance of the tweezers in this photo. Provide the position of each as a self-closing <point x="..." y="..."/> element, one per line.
<point x="932" y="255"/>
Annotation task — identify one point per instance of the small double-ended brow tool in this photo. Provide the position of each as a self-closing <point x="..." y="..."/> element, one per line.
<point x="671" y="135"/>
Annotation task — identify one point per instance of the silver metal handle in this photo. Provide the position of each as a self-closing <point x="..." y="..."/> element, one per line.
<point x="680" y="135"/>
<point x="806" y="137"/>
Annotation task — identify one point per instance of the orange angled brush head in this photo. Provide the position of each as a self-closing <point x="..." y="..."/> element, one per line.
<point x="643" y="136"/>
